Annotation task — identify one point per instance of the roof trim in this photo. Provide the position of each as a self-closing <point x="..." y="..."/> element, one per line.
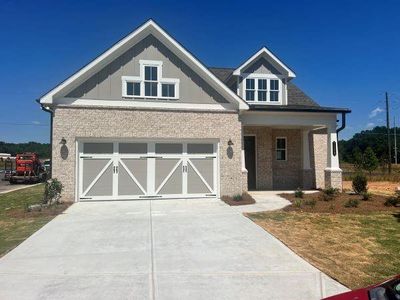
<point x="154" y="28"/>
<point x="317" y="109"/>
<point x="265" y="51"/>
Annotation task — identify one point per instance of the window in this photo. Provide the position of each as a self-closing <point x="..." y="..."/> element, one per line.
<point x="250" y="87"/>
<point x="262" y="89"/>
<point x="168" y="90"/>
<point x="274" y="90"/>
<point x="281" y="148"/>
<point x="150" y="83"/>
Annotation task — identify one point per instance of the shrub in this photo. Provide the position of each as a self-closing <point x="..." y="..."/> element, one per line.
<point x="330" y="193"/>
<point x="360" y="183"/>
<point x="298" y="203"/>
<point x="52" y="191"/>
<point x="352" y="203"/>
<point x="392" y="201"/>
<point x="366" y="196"/>
<point x="237" y="197"/>
<point x="298" y="193"/>
<point x="370" y="161"/>
<point x="311" y="202"/>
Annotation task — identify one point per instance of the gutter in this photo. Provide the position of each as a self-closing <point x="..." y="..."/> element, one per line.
<point x="51" y="112"/>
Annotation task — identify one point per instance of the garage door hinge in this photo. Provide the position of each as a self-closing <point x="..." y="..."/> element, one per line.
<point x="211" y="195"/>
<point x="85" y="198"/>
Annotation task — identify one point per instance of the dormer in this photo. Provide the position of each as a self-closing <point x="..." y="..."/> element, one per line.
<point x="263" y="79"/>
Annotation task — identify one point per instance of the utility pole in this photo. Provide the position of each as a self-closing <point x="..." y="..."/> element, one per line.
<point x="388" y="134"/>
<point x="395" y="140"/>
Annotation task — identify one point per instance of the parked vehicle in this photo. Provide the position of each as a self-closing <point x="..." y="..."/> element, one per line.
<point x="387" y="290"/>
<point x="8" y="169"/>
<point x="28" y="169"/>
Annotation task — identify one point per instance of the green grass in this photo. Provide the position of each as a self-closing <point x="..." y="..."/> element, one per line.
<point x="16" y="224"/>
<point x="356" y="249"/>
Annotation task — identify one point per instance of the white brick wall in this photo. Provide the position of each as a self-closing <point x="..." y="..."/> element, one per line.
<point x="74" y="123"/>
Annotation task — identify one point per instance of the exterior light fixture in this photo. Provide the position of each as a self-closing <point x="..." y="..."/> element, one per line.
<point x="230" y="143"/>
<point x="63" y="141"/>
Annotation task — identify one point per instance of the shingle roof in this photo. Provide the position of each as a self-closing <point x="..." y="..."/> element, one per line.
<point x="297" y="99"/>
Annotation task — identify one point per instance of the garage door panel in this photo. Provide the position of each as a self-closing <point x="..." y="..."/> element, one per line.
<point x="164" y="166"/>
<point x="205" y="167"/>
<point x="103" y="186"/>
<point x="138" y="168"/>
<point x="195" y="184"/>
<point x="173" y="184"/>
<point x="91" y="169"/>
<point x="126" y="184"/>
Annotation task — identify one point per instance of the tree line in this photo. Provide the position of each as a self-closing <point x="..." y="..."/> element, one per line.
<point x="368" y="148"/>
<point x="43" y="150"/>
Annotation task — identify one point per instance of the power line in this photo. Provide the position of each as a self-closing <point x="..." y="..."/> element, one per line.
<point x="23" y="124"/>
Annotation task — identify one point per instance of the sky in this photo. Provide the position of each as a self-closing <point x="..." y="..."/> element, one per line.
<point x="344" y="53"/>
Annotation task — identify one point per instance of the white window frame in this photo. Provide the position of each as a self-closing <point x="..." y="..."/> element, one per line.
<point x="141" y="79"/>
<point x="268" y="77"/>
<point x="276" y="148"/>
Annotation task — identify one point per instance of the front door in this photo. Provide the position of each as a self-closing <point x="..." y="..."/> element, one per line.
<point x="250" y="160"/>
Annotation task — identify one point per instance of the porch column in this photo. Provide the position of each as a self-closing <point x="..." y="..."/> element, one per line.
<point x="333" y="173"/>
<point x="244" y="170"/>
<point x="307" y="174"/>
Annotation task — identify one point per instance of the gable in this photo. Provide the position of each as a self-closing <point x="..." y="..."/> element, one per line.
<point x="261" y="66"/>
<point x="99" y="78"/>
<point x="106" y="84"/>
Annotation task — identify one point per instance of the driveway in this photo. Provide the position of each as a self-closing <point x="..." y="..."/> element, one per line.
<point x="160" y="249"/>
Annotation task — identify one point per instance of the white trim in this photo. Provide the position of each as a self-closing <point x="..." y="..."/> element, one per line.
<point x="265" y="52"/>
<point x="256" y="157"/>
<point x="132" y="102"/>
<point x="268" y="78"/>
<point x="127" y="42"/>
<point x="276" y="148"/>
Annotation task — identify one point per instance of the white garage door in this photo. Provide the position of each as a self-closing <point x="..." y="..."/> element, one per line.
<point x="143" y="170"/>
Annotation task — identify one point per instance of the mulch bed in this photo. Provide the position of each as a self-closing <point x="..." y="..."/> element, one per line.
<point x="337" y="203"/>
<point x="245" y="199"/>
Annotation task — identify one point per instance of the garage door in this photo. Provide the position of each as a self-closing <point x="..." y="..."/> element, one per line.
<point x="142" y="170"/>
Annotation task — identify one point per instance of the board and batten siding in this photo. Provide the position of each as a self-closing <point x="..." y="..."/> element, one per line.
<point x="107" y="83"/>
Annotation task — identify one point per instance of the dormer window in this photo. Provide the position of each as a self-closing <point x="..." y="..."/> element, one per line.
<point x="262" y="88"/>
<point x="150" y="83"/>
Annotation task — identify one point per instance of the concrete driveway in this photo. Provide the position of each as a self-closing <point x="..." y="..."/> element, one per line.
<point x="161" y="249"/>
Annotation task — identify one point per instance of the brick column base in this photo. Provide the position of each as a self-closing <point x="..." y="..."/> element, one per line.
<point x="244" y="181"/>
<point x="307" y="179"/>
<point x="333" y="178"/>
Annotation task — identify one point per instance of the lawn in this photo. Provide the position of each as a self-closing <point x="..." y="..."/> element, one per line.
<point x="16" y="223"/>
<point x="355" y="249"/>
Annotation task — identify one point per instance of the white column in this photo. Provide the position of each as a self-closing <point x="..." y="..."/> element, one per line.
<point x="333" y="151"/>
<point x="306" y="150"/>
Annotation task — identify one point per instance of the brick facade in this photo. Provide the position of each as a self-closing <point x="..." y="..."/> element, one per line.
<point x="75" y="123"/>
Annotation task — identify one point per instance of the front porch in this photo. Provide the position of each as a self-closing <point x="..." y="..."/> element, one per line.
<point x="290" y="150"/>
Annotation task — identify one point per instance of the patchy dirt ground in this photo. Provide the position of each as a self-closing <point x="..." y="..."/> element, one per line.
<point x="317" y="203"/>
<point x="380" y="187"/>
<point x="245" y="199"/>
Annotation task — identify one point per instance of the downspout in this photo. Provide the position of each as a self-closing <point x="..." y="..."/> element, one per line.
<point x="343" y="123"/>
<point x="51" y="112"/>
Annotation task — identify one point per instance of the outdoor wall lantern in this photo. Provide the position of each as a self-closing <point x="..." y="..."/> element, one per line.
<point x="63" y="141"/>
<point x="230" y="143"/>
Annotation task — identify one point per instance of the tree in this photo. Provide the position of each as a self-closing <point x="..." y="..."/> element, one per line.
<point x="370" y="161"/>
<point x="358" y="158"/>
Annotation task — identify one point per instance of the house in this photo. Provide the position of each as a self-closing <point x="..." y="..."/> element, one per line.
<point x="146" y="119"/>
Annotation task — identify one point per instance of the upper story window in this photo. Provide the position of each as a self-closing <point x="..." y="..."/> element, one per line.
<point x="262" y="89"/>
<point x="150" y="83"/>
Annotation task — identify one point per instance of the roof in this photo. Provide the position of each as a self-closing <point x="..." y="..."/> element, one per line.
<point x="297" y="99"/>
<point x="149" y="27"/>
<point x="271" y="57"/>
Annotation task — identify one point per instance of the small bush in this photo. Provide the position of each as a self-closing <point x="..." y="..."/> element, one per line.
<point x="366" y="196"/>
<point x="298" y="203"/>
<point x="311" y="202"/>
<point x="352" y="203"/>
<point x="360" y="183"/>
<point x="52" y="191"/>
<point x="331" y="191"/>
<point x="392" y="201"/>
<point x="298" y="193"/>
<point x="237" y="197"/>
